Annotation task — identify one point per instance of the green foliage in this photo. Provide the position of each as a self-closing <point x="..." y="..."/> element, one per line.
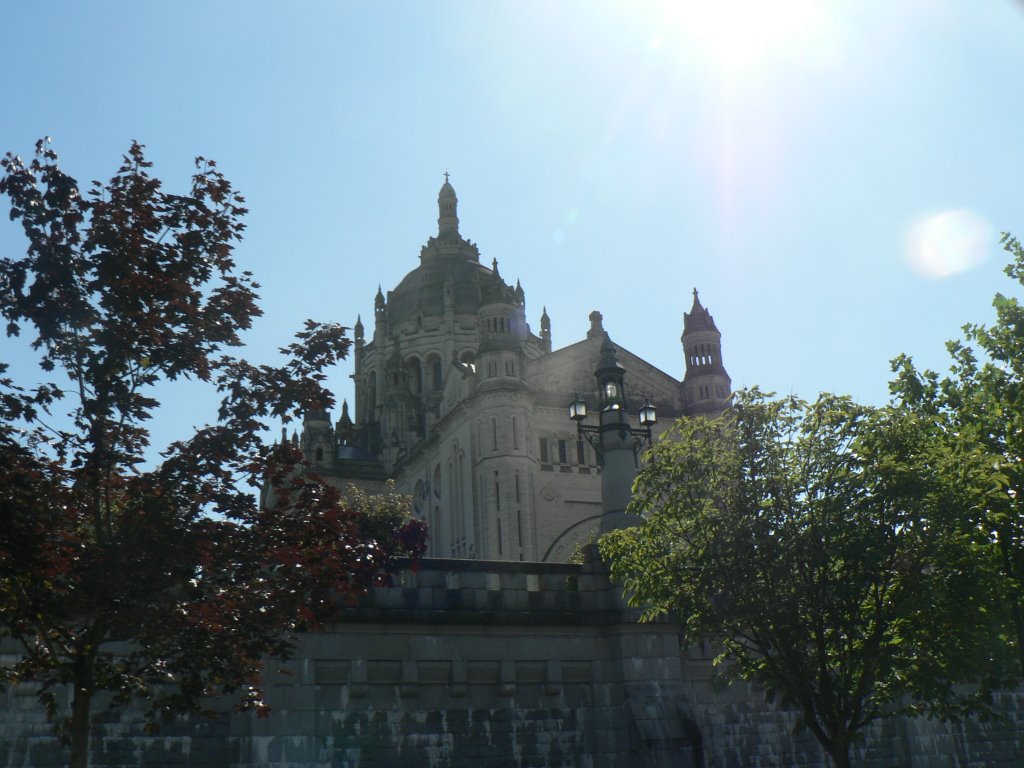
<point x="116" y="578"/>
<point x="379" y="514"/>
<point x="830" y="550"/>
<point x="982" y="400"/>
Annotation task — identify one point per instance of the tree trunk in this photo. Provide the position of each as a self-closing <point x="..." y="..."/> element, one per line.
<point x="839" y="751"/>
<point x="81" y="711"/>
<point x="1015" y="612"/>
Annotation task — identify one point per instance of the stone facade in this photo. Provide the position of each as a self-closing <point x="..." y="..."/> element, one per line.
<point x="473" y="661"/>
<point x="477" y="664"/>
<point x="459" y="402"/>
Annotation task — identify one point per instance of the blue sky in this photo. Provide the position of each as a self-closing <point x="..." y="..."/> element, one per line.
<point x="833" y="177"/>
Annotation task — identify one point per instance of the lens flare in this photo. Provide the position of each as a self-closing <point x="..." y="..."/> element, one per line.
<point x="739" y="37"/>
<point x="948" y="243"/>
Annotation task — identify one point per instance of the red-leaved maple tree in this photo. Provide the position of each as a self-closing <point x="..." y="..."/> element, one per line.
<point x="163" y="583"/>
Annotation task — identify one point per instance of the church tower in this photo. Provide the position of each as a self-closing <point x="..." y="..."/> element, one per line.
<point x="545" y="331"/>
<point x="502" y="324"/>
<point x="317" y="441"/>
<point x="447" y="213"/>
<point x="465" y="408"/>
<point x="706" y="386"/>
<point x="502" y="410"/>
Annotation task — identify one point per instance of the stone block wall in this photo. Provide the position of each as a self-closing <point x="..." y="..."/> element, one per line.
<point x="500" y="665"/>
<point x="461" y="663"/>
<point x="737" y="728"/>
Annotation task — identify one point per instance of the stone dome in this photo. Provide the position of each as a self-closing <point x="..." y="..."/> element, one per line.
<point x="449" y="271"/>
<point x="422" y="291"/>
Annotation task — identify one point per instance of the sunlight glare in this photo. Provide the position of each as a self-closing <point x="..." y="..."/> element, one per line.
<point x="948" y="243"/>
<point x="743" y="35"/>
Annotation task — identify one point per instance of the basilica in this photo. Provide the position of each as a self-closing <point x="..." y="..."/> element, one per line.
<point x="470" y="658"/>
<point x="461" y="404"/>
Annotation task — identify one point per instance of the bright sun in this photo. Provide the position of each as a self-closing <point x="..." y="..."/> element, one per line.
<point x="738" y="36"/>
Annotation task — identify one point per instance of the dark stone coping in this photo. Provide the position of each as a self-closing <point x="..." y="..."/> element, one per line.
<point x="454" y="564"/>
<point x="436" y="617"/>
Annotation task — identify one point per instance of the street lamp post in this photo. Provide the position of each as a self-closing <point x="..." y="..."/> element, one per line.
<point x="616" y="443"/>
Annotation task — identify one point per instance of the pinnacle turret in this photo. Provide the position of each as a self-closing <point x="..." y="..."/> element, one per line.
<point x="698" y="318"/>
<point x="447" y="211"/>
<point x="315" y="413"/>
<point x="706" y="385"/>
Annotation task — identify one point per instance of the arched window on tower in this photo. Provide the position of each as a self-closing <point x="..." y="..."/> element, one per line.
<point x="415" y="372"/>
<point x="371" y="395"/>
<point x="453" y="517"/>
<point x="434" y="364"/>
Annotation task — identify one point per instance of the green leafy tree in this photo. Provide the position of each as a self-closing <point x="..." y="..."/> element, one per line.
<point x="983" y="399"/>
<point x="822" y="547"/>
<point x="170" y="583"/>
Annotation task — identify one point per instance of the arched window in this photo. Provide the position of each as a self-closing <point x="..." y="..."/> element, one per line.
<point x="371" y="394"/>
<point x="434" y="364"/>
<point x="419" y="496"/>
<point x="453" y="517"/>
<point x="415" y="372"/>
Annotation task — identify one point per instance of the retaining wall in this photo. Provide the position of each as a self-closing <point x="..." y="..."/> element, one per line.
<point x="495" y="665"/>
